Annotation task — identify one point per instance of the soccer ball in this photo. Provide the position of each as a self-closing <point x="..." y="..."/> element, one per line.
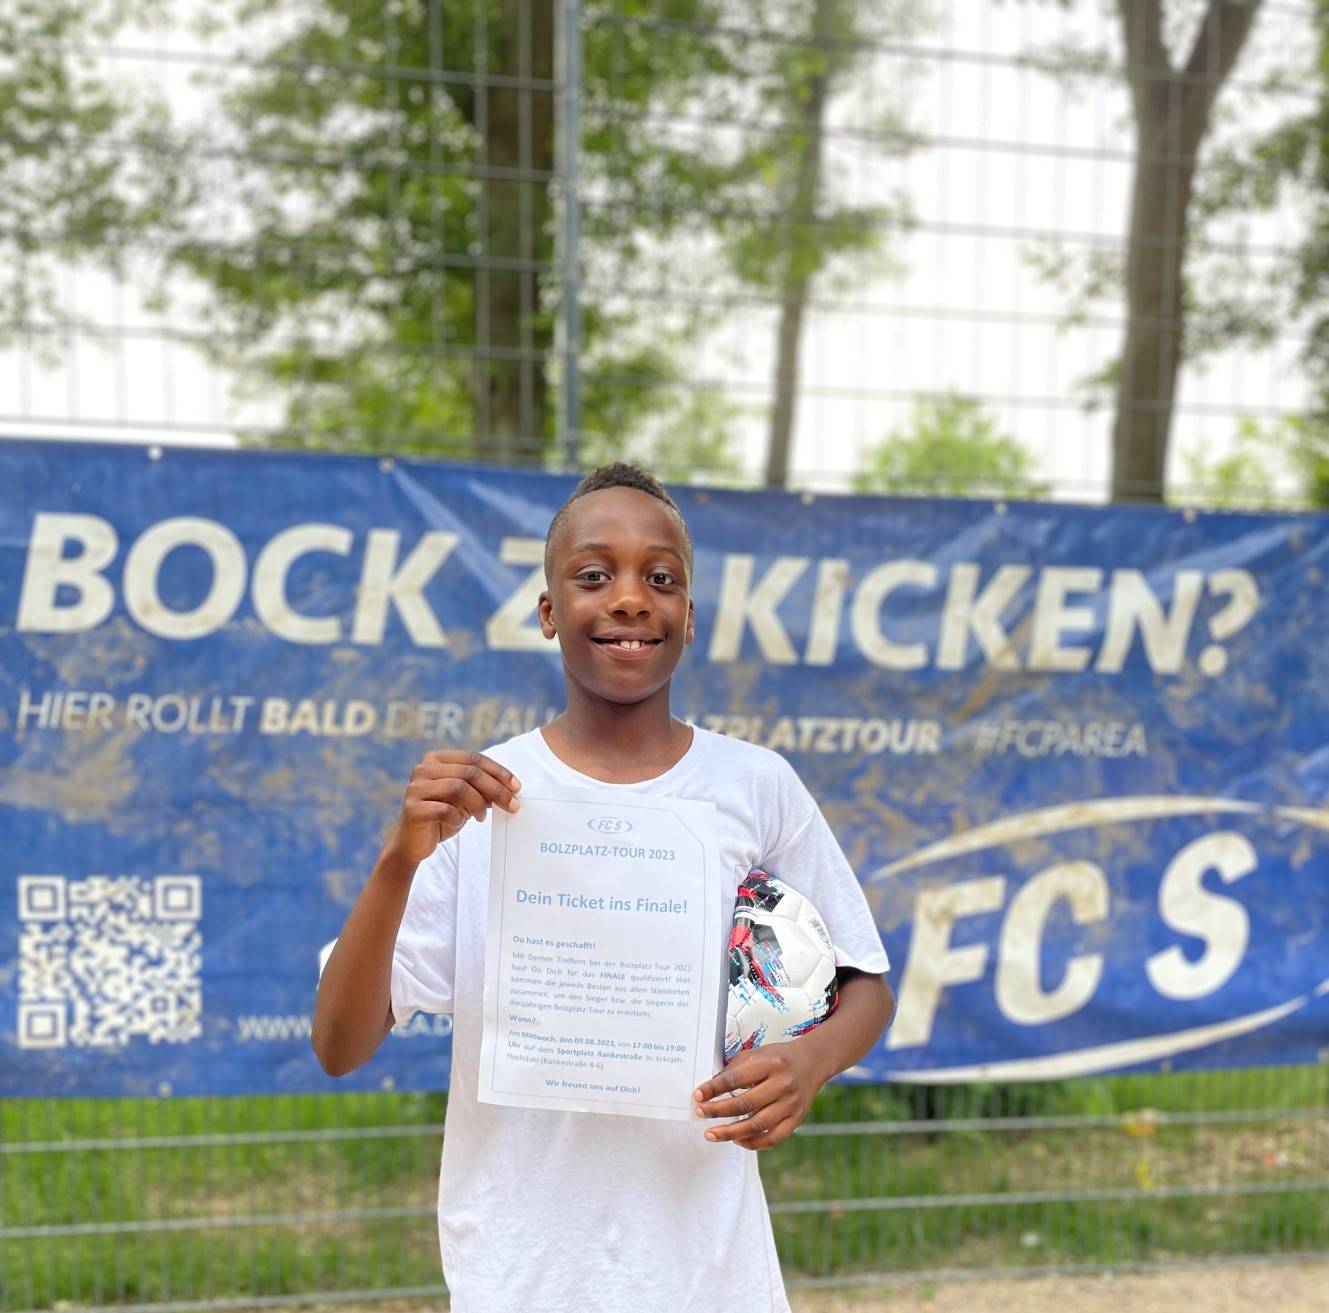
<point x="781" y="966"/>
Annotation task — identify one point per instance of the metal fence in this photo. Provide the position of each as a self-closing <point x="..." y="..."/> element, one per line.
<point x="249" y="1202"/>
<point x="742" y="240"/>
<point x="698" y="235"/>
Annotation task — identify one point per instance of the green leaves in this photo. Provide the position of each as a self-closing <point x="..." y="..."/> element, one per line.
<point x="84" y="173"/>
<point x="367" y="219"/>
<point x="952" y="448"/>
<point x="1275" y="465"/>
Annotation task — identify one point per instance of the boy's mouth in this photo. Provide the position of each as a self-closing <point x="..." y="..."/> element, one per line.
<point x="623" y="643"/>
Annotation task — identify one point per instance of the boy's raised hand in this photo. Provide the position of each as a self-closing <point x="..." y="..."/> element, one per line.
<point x="447" y="788"/>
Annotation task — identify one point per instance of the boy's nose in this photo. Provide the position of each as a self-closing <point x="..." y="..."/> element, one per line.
<point x="631" y="599"/>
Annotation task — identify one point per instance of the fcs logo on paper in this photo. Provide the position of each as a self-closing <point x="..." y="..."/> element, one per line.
<point x="609" y="825"/>
<point x="1179" y="934"/>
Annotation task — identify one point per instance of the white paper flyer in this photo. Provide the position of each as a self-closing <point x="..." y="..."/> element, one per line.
<point x="603" y="958"/>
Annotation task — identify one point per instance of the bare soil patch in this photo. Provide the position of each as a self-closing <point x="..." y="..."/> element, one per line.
<point x="1271" y="1287"/>
<point x="1274" y="1287"/>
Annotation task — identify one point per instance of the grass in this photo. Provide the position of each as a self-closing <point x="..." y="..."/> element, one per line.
<point x="210" y="1192"/>
<point x="1276" y="1157"/>
<point x="279" y="1180"/>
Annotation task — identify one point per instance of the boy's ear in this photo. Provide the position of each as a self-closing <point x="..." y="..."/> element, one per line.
<point x="690" y="631"/>
<point x="545" y="611"/>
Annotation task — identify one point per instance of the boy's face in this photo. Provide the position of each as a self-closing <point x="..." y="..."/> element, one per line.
<point x="618" y="594"/>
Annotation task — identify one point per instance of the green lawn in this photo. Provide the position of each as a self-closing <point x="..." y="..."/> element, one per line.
<point x="245" y="1215"/>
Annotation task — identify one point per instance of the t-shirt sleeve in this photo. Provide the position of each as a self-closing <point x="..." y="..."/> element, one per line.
<point x="424" y="960"/>
<point x="805" y="854"/>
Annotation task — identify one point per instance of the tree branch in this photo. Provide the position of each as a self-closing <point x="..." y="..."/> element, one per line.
<point x="1221" y="36"/>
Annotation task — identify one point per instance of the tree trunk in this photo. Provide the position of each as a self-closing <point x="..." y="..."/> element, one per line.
<point x="1151" y="352"/>
<point x="798" y="266"/>
<point x="1173" y="109"/>
<point x="512" y="336"/>
<point x="789" y="342"/>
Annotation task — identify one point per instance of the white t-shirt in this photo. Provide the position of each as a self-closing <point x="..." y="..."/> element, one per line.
<point x="565" y="1212"/>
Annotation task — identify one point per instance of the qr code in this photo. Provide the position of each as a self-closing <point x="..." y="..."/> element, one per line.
<point x="108" y="958"/>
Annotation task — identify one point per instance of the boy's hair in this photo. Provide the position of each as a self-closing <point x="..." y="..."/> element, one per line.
<point x="619" y="474"/>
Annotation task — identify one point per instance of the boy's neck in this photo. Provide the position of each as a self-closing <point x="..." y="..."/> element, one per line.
<point x="618" y="744"/>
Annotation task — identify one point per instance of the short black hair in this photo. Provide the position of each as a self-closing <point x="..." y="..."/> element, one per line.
<point x="618" y="474"/>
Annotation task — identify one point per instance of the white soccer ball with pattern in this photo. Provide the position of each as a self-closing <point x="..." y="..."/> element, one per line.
<point x="781" y="966"/>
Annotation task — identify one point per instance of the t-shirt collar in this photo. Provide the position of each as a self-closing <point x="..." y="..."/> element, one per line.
<point x="656" y="784"/>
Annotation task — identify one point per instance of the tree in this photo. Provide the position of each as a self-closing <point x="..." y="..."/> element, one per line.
<point x="1283" y="461"/>
<point x="1272" y="466"/>
<point x="380" y="235"/>
<point x="389" y="222"/>
<point x="951" y="449"/>
<point x="1172" y="97"/>
<point x="793" y="228"/>
<point x="82" y="178"/>
<point x="1172" y="105"/>
<point x="1300" y="154"/>
<point x="362" y="221"/>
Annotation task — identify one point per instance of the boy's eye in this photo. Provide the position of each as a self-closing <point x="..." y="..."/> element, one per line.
<point x="586" y="575"/>
<point x="662" y="578"/>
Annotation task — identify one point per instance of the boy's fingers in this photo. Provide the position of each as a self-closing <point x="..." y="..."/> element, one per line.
<point x="720" y="1083"/>
<point x="497" y="782"/>
<point x="497" y="793"/>
<point x="447" y="814"/>
<point x="462" y="796"/>
<point x="494" y="792"/>
<point x="448" y="757"/>
<point x="500" y="772"/>
<point x="744" y="1104"/>
<point x="764" y="1128"/>
<point x="777" y="1135"/>
<point x="746" y="1070"/>
<point x="441" y="775"/>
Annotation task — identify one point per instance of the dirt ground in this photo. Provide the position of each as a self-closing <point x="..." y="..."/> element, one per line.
<point x="1274" y="1287"/>
<point x="1268" y="1287"/>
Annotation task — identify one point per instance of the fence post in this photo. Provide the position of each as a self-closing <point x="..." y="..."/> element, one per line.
<point x="570" y="401"/>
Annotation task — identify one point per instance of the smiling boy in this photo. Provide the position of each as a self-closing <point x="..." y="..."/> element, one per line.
<point x="564" y="1211"/>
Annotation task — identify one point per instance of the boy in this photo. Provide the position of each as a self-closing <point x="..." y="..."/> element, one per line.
<point x="557" y="1212"/>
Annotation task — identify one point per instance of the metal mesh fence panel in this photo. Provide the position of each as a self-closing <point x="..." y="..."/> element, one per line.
<point x="747" y="240"/>
<point x="181" y="1202"/>
<point x="210" y="1203"/>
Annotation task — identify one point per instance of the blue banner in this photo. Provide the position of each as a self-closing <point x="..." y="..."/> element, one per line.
<point x="1078" y="756"/>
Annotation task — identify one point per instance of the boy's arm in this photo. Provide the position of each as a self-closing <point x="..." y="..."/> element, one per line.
<point x="779" y="1081"/>
<point x="353" y="1011"/>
